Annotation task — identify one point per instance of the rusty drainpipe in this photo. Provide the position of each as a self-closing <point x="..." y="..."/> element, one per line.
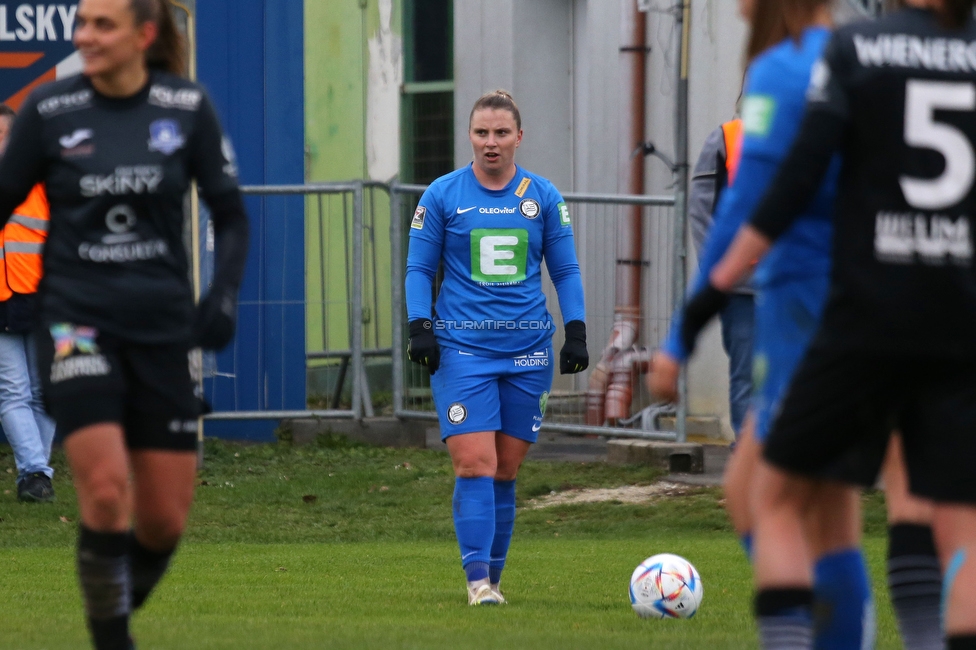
<point x="610" y="390"/>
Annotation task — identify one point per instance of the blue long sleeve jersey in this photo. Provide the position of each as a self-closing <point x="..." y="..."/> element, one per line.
<point x="492" y="243"/>
<point x="772" y="110"/>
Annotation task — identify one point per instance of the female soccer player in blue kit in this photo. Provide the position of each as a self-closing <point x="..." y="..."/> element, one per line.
<point x="489" y="346"/>
<point x="793" y="283"/>
<point x="787" y="38"/>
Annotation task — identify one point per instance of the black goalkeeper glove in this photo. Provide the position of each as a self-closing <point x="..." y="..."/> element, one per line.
<point x="215" y="319"/>
<point x="573" y="357"/>
<point x="701" y="308"/>
<point x="423" y="348"/>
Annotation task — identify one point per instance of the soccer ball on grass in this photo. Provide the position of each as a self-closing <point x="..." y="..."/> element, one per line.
<point x="665" y="586"/>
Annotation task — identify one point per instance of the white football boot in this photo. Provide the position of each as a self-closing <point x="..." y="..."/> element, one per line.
<point x="497" y="591"/>
<point x="481" y="593"/>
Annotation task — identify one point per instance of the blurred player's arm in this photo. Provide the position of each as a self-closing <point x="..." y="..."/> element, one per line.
<point x="796" y="183"/>
<point x="22" y="164"/>
<point x="213" y="164"/>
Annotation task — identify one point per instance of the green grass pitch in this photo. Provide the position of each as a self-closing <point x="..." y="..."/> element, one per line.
<point x="333" y="546"/>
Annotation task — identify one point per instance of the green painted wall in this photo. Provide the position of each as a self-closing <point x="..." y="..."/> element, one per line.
<point x="337" y="68"/>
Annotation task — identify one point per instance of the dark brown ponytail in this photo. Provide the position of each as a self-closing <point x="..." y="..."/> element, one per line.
<point x="498" y="99"/>
<point x="955" y="13"/>
<point x="774" y="20"/>
<point x="168" y="52"/>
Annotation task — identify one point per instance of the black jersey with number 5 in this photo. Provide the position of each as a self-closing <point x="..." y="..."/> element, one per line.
<point x="117" y="172"/>
<point x="902" y="91"/>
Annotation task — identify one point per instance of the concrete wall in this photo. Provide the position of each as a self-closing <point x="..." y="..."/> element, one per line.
<point x="561" y="59"/>
<point x="354" y="70"/>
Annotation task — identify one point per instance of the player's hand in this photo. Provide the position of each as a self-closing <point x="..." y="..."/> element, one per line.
<point x="700" y="308"/>
<point x="573" y="357"/>
<point x="663" y="378"/>
<point x="423" y="348"/>
<point x="215" y="319"/>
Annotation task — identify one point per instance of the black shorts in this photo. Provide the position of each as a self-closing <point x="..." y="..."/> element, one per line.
<point x="847" y="402"/>
<point x="90" y="378"/>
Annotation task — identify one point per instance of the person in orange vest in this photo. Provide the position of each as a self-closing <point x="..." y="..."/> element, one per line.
<point x="715" y="171"/>
<point x="27" y="426"/>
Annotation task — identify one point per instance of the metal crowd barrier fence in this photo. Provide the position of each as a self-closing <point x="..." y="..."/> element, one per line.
<point x="334" y="332"/>
<point x="355" y="306"/>
<point x="594" y="218"/>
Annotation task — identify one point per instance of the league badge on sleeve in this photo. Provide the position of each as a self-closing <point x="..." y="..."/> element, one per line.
<point x="418" y="218"/>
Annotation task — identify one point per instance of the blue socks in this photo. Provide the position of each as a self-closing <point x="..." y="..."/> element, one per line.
<point x="843" y="606"/>
<point x="746" y="542"/>
<point x="474" y="523"/>
<point x="504" y="525"/>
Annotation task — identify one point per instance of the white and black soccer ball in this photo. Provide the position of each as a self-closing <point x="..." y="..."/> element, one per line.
<point x="665" y="586"/>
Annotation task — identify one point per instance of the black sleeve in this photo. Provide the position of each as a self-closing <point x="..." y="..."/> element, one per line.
<point x="212" y="159"/>
<point x="231" y="235"/>
<point x="22" y="164"/>
<point x="214" y="166"/>
<point x="820" y="136"/>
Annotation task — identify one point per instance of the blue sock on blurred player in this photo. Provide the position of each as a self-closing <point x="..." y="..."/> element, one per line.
<point x="843" y="606"/>
<point x="504" y="525"/>
<point x="746" y="542"/>
<point x="474" y="523"/>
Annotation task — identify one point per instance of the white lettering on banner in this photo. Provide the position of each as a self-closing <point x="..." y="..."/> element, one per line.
<point x="490" y="254"/>
<point x="37" y="22"/>
<point x="898" y="238"/>
<point x="26" y="30"/>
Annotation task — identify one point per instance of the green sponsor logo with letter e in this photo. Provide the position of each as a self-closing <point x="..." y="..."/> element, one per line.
<point x="563" y="214"/>
<point x="758" y="112"/>
<point x="498" y="255"/>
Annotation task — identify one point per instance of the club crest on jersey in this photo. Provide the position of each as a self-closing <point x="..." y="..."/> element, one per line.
<point x="165" y="136"/>
<point x="418" y="218"/>
<point x="530" y="208"/>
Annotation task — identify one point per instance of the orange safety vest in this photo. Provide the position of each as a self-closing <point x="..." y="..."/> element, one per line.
<point x="22" y="245"/>
<point x="733" y="147"/>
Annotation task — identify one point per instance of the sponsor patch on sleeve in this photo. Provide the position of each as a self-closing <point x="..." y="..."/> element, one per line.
<point x="418" y="218"/>
<point x="758" y="112"/>
<point x="563" y="214"/>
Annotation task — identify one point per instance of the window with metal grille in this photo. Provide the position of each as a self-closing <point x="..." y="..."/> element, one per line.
<point x="428" y="91"/>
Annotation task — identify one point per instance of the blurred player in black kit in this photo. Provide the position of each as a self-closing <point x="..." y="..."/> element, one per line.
<point x="897" y="343"/>
<point x="117" y="147"/>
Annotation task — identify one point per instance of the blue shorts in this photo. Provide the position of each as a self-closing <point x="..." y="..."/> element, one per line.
<point x="787" y="317"/>
<point x="473" y="393"/>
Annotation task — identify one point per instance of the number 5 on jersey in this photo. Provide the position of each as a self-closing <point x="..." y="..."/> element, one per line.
<point x="922" y="130"/>
<point x="499" y="254"/>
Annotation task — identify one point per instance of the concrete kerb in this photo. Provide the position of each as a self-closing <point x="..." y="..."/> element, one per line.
<point x="674" y="457"/>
